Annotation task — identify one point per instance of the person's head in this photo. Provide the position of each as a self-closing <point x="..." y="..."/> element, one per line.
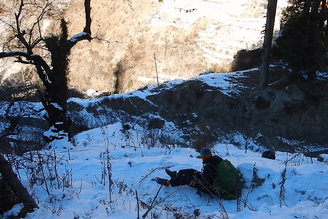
<point x="205" y="153"/>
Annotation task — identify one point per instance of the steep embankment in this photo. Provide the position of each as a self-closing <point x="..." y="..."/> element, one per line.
<point x="287" y="118"/>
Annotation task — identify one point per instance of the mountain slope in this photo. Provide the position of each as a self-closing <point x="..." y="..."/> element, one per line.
<point x="132" y="37"/>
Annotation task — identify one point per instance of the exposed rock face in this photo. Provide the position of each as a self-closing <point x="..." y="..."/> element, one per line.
<point x="273" y="117"/>
<point x="280" y="117"/>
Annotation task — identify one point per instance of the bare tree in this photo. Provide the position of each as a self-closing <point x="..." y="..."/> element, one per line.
<point x="27" y="40"/>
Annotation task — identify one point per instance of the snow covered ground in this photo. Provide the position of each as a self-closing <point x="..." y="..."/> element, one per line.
<point x="108" y="172"/>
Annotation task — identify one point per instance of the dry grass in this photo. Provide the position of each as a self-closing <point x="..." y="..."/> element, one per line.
<point x="129" y="37"/>
<point x="123" y="33"/>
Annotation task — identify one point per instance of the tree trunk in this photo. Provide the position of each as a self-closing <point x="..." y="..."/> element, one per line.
<point x="323" y="11"/>
<point x="16" y="186"/>
<point x="56" y="95"/>
<point x="313" y="38"/>
<point x="271" y="14"/>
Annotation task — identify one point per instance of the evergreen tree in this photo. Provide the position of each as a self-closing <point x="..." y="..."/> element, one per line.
<point x="303" y="37"/>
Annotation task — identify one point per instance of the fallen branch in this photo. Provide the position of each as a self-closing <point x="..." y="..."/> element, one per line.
<point x="15" y="184"/>
<point x="282" y="185"/>
<point x="138" y="208"/>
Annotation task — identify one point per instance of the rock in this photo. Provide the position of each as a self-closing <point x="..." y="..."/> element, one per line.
<point x="323" y="158"/>
<point x="156" y="123"/>
<point x="269" y="155"/>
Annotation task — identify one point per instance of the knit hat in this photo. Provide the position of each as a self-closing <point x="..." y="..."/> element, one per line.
<point x="205" y="153"/>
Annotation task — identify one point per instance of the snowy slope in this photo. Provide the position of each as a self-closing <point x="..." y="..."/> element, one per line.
<point x="104" y="171"/>
<point x="133" y="167"/>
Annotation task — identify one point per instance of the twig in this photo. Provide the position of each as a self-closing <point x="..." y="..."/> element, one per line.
<point x="130" y="5"/>
<point x="138" y="208"/>
<point x="109" y="175"/>
<point x="156" y="69"/>
<point x="69" y="155"/>
<point x="224" y="212"/>
<point x="282" y="185"/>
<point x="81" y="187"/>
<point x="152" y="204"/>
<point x="41" y="161"/>
<point x="56" y="171"/>
<point x="153" y="169"/>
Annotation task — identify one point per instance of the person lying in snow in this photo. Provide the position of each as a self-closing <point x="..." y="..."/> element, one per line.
<point x="218" y="177"/>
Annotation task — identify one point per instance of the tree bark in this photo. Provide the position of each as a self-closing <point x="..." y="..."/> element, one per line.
<point x="313" y="37"/>
<point x="271" y="14"/>
<point x="16" y="186"/>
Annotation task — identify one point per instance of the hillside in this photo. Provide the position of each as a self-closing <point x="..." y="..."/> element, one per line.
<point x="119" y="143"/>
<point x="108" y="170"/>
<point x="272" y="117"/>
<point x="185" y="44"/>
<point x="216" y="107"/>
<point x="127" y="35"/>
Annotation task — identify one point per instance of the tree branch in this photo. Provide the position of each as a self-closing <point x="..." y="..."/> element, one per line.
<point x="86" y="34"/>
<point x="37" y="60"/>
<point x="42" y="67"/>
<point x="87" y="7"/>
<point x="44" y="11"/>
<point x="20" y="34"/>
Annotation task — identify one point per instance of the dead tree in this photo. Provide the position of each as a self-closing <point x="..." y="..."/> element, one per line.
<point x="54" y="75"/>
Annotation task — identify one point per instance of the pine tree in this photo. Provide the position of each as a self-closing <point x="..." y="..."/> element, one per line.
<point x="303" y="37"/>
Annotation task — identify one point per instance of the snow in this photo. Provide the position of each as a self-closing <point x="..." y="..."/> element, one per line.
<point x="102" y="172"/>
<point x="223" y="82"/>
<point x="78" y="36"/>
<point x="134" y="166"/>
